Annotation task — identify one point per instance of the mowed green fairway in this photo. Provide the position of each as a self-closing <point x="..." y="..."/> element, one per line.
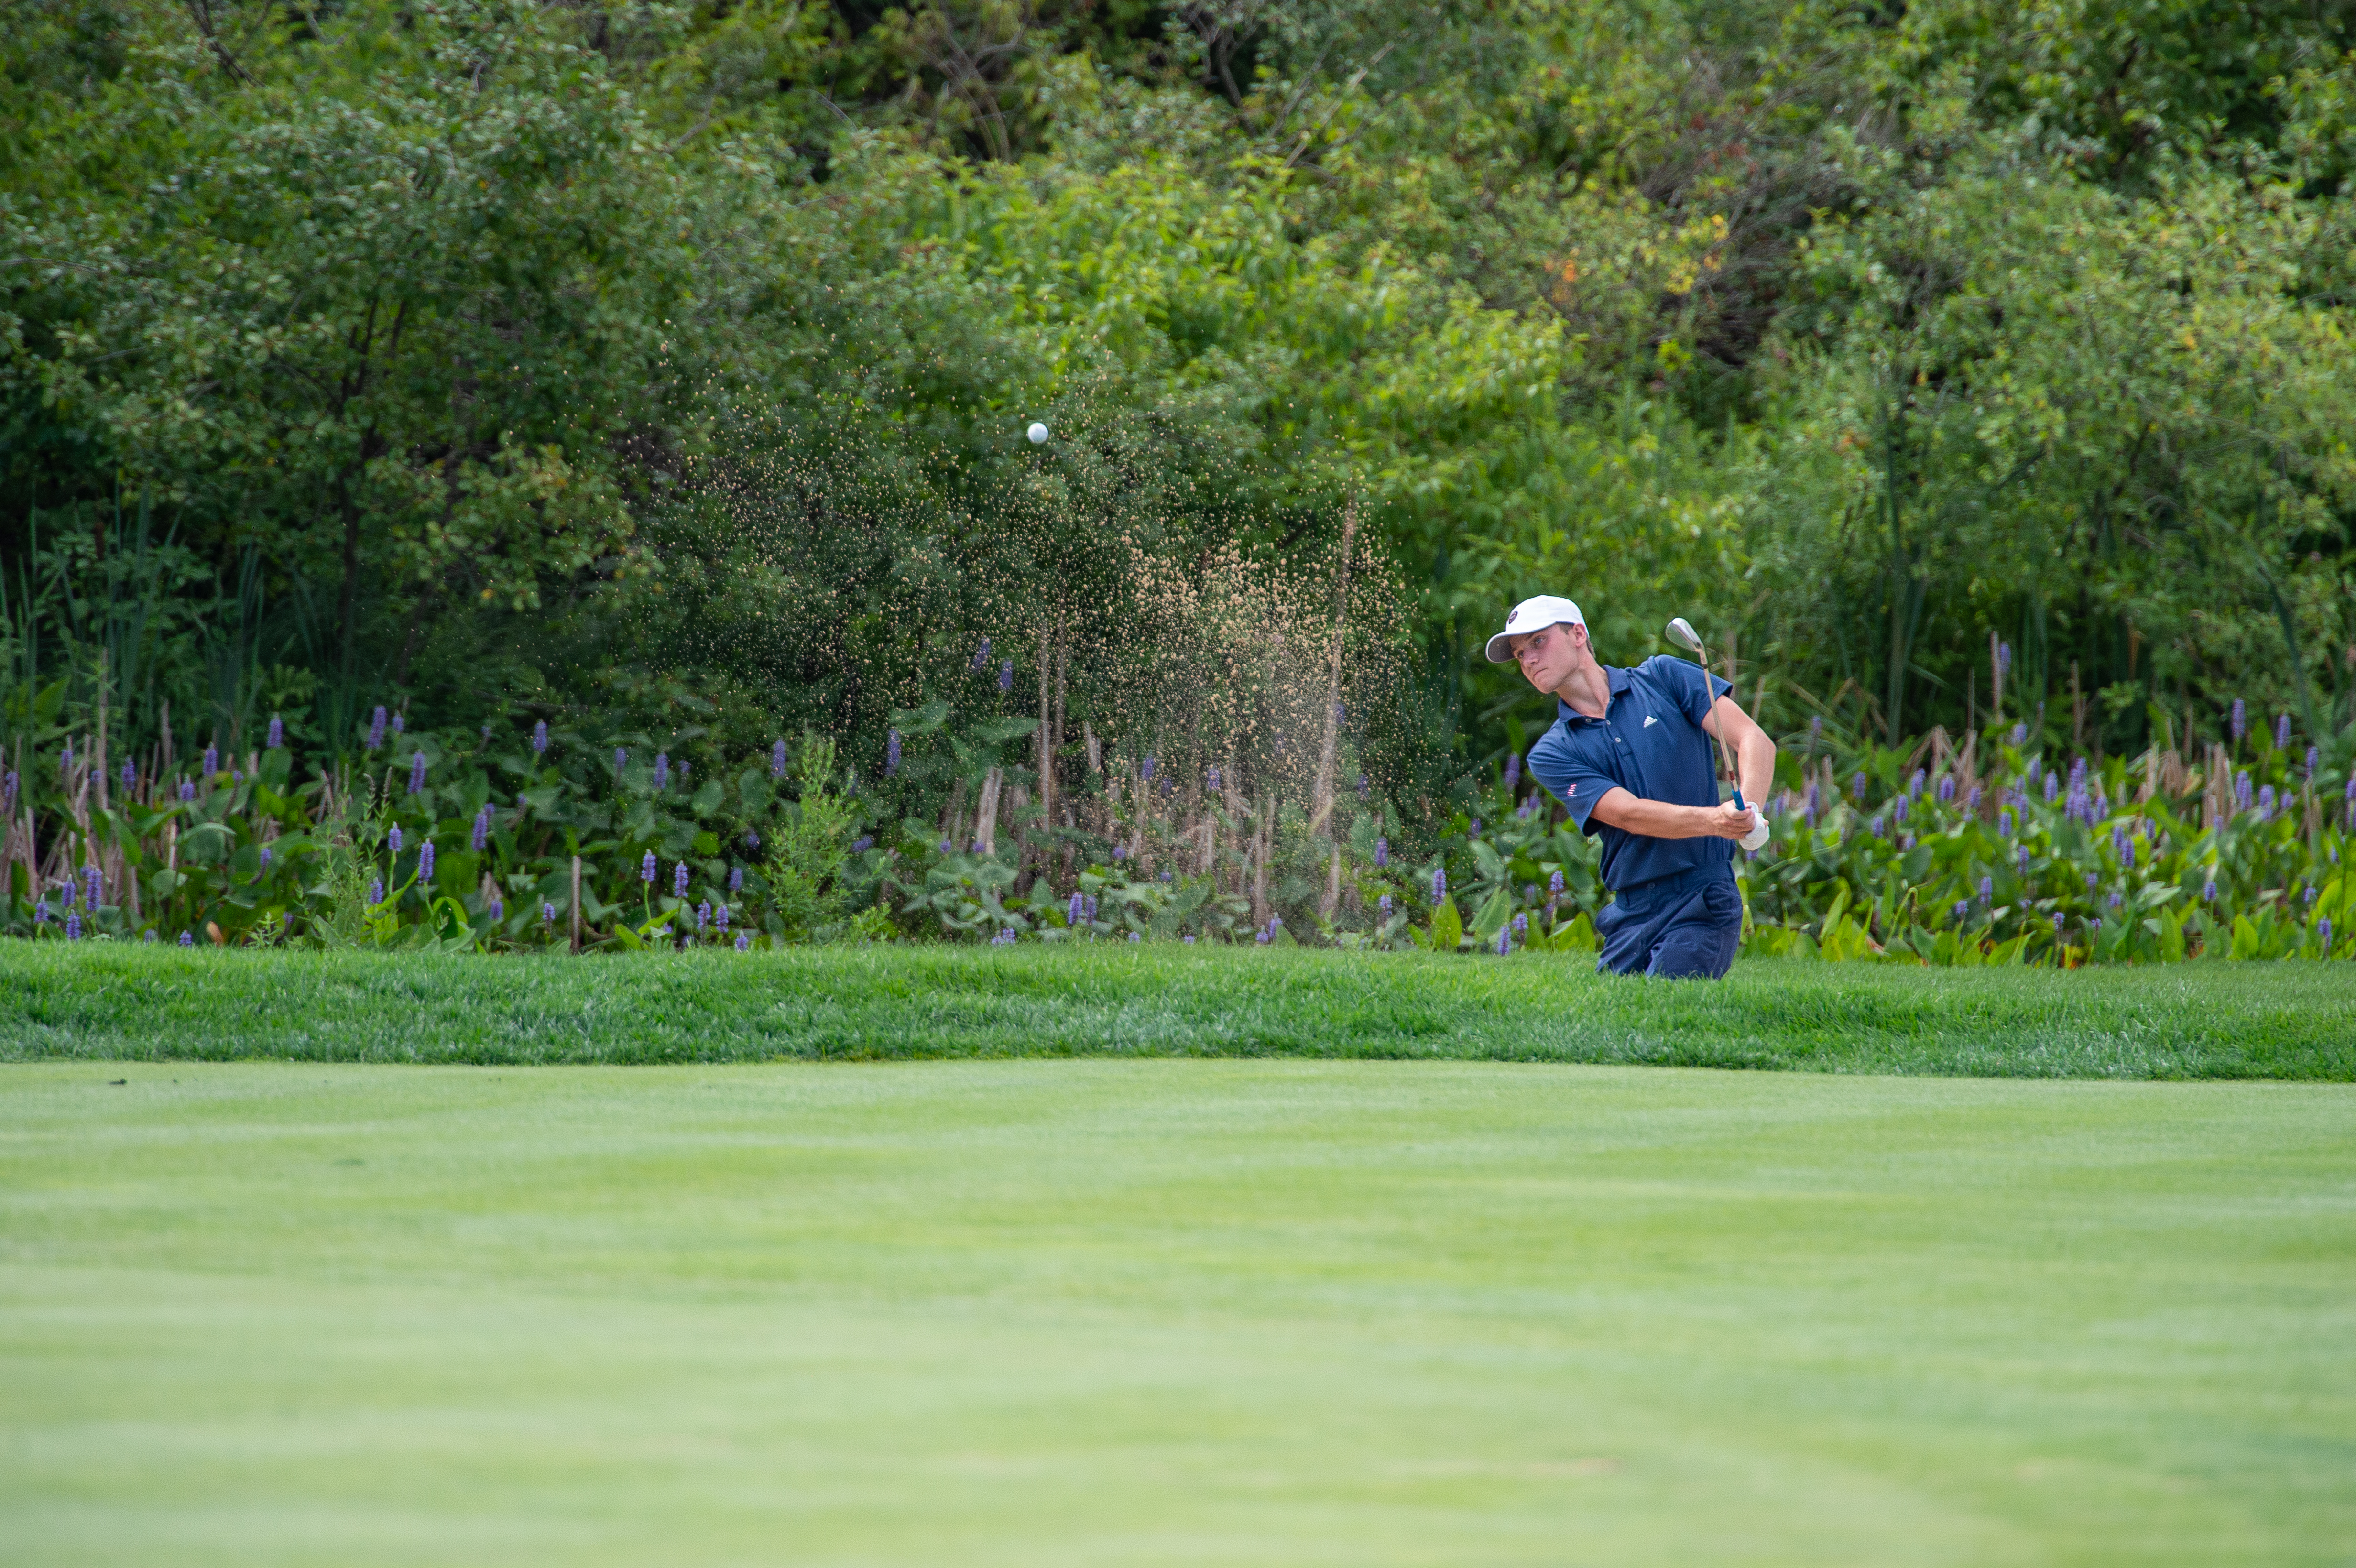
<point x="1170" y="1312"/>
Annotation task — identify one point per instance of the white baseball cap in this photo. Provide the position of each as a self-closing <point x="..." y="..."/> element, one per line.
<point x="1530" y="616"/>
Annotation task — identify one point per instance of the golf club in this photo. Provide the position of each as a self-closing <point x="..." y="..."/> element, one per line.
<point x="1681" y="632"/>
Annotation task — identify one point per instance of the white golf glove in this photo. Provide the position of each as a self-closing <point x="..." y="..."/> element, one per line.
<point x="1752" y="841"/>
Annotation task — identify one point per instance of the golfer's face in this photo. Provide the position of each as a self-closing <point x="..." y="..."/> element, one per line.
<point x="1544" y="656"/>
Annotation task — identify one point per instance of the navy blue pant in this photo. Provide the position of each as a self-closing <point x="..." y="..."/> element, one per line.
<point x="1682" y="927"/>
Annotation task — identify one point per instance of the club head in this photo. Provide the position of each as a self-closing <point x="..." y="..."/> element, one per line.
<point x="1681" y="633"/>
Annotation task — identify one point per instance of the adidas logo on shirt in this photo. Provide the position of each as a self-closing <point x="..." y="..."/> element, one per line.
<point x="1651" y="720"/>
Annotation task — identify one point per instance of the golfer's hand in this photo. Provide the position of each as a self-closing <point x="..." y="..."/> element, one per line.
<point x="1729" y="820"/>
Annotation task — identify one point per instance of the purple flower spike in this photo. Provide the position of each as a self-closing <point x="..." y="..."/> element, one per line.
<point x="621" y="757"/>
<point x="2265" y="802"/>
<point x="2004" y="822"/>
<point x="703" y="914"/>
<point x="2314" y="757"/>
<point x="73" y="928"/>
<point x="2023" y="863"/>
<point x="41" y="911"/>
<point x="1145" y="768"/>
<point x="777" y="755"/>
<point x="2282" y="733"/>
<point x="1439" y="883"/>
<point x="399" y="722"/>
<point x="744" y="941"/>
<point x="277" y="732"/>
<point x="93" y="886"/>
<point x="392" y="837"/>
<point x="376" y="730"/>
<point x="482" y="837"/>
<point x="662" y="768"/>
<point x="1987" y="889"/>
<point x="646" y="868"/>
<point x="678" y="880"/>
<point x="547" y="912"/>
<point x="540" y="738"/>
<point x="863" y="843"/>
<point x="1856" y="787"/>
<point x="1475" y="832"/>
<point x="1119" y="852"/>
<point x="684" y="768"/>
<point x="736" y="879"/>
<point x="266" y="857"/>
<point x="1006" y="675"/>
<point x="1383" y="904"/>
<point x="1505" y="940"/>
<point x="212" y="761"/>
<point x="1214" y="784"/>
<point x="2052" y="788"/>
<point x="130" y="774"/>
<point x="1512" y="772"/>
<point x="187" y="939"/>
<point x="751" y="840"/>
<point x="69" y="892"/>
<point x="2241" y="721"/>
<point x="376" y="890"/>
<point x="1947" y="790"/>
<point x="2020" y="734"/>
<point x="417" y="773"/>
<point x="1554" y="884"/>
<point x="2209" y="891"/>
<point x="2003" y="660"/>
<point x="891" y="754"/>
<point x="720" y="918"/>
<point x="1963" y="908"/>
<point x="1072" y="911"/>
<point x="425" y="861"/>
<point x="498" y="907"/>
<point x="1382" y="853"/>
<point x="66" y="758"/>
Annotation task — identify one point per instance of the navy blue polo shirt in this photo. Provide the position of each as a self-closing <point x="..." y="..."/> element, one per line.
<point x="1650" y="744"/>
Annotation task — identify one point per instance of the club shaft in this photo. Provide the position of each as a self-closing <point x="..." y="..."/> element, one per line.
<point x="1725" y="752"/>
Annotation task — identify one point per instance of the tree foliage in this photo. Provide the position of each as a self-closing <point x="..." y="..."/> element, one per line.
<point x="664" y="366"/>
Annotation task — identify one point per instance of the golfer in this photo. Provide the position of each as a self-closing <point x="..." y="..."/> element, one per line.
<point x="1631" y="757"/>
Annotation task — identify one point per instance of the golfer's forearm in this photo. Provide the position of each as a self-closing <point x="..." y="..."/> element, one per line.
<point x="1655" y="818"/>
<point x="1755" y="764"/>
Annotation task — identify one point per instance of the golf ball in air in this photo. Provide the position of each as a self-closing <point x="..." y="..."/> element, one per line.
<point x="1038" y="433"/>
